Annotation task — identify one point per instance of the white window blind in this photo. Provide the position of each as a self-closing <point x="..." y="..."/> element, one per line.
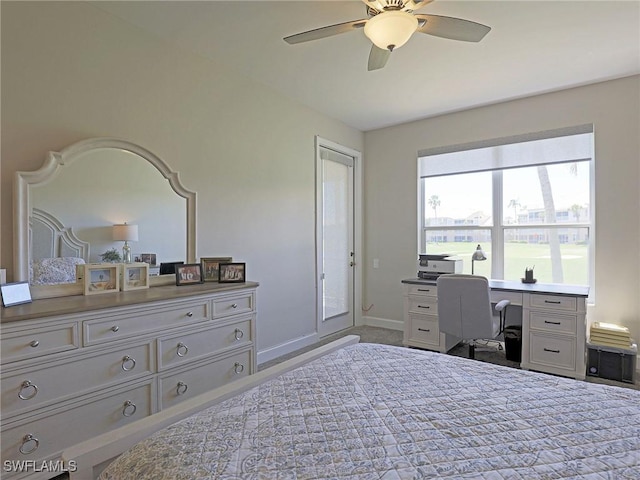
<point x="570" y="144"/>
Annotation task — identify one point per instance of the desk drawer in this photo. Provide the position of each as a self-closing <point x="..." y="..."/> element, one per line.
<point x="128" y="325"/>
<point x="424" y="328"/>
<point x="423" y="305"/>
<point x="233" y="305"/>
<point x="51" y="434"/>
<point x="514" y="297"/>
<point x="553" y="302"/>
<point x="552" y="351"/>
<point x="70" y="378"/>
<point x="425" y="290"/>
<point x="189" y="346"/>
<point x="37" y="342"/>
<point x="174" y="387"/>
<point x="553" y="323"/>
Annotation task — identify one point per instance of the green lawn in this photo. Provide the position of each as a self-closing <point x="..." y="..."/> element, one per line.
<point x="519" y="256"/>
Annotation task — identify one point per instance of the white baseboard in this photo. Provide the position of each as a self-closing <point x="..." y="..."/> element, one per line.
<point x="383" y="323"/>
<point x="286" y="348"/>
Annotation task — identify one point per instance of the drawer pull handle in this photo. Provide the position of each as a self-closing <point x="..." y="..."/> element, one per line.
<point x="555" y="302"/>
<point x="181" y="388"/>
<point x="552" y="323"/>
<point x="424" y="290"/>
<point x="24" y="394"/>
<point x="34" y="344"/>
<point x="238" y="334"/>
<point x="551" y="351"/>
<point x="189" y="314"/>
<point x="182" y="350"/>
<point x="128" y="363"/>
<point x="234" y="305"/>
<point x="29" y="440"/>
<point x="424" y="330"/>
<point x="115" y="328"/>
<point x="424" y="306"/>
<point x="129" y="408"/>
<point x="238" y="367"/>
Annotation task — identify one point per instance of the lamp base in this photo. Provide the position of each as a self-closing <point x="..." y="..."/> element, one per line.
<point x="126" y="253"/>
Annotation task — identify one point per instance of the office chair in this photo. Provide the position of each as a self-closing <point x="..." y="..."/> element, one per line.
<point x="464" y="309"/>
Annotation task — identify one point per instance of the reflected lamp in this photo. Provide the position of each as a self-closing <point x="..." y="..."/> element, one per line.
<point x="125" y="233"/>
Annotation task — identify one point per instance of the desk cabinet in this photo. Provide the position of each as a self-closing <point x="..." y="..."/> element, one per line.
<point x="77" y="367"/>
<point x="554" y="334"/>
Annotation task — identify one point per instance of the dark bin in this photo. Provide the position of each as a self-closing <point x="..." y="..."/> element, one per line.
<point x="513" y="342"/>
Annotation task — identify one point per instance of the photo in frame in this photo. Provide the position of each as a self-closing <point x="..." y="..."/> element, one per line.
<point x="189" y="274"/>
<point x="15" y="293"/>
<point x="149" y="258"/>
<point x="135" y="276"/>
<point x="100" y="278"/>
<point x="232" y="272"/>
<point x="211" y="267"/>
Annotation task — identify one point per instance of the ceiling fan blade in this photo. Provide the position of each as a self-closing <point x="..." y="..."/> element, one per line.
<point x="378" y="57"/>
<point x="451" y="28"/>
<point x="325" y="31"/>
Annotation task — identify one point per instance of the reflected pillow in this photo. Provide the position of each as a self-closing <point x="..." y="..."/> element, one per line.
<point x="47" y="271"/>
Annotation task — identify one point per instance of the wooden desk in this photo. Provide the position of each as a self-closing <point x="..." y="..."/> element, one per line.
<point x="553" y="322"/>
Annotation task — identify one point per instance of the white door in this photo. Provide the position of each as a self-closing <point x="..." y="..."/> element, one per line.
<point x="335" y="237"/>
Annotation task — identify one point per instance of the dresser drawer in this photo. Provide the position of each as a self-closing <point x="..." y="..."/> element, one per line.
<point x="423" y="305"/>
<point x="425" y="329"/>
<point x="175" y="387"/>
<point x="48" y="436"/>
<point x="553" y="302"/>
<point x="67" y="379"/>
<point x="186" y="347"/>
<point x="125" y="326"/>
<point x="553" y="323"/>
<point x="22" y="345"/>
<point x="233" y="304"/>
<point x="425" y="290"/>
<point x="552" y="351"/>
<point x="498" y="295"/>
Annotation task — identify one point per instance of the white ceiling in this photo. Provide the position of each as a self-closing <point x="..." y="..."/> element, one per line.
<point x="533" y="47"/>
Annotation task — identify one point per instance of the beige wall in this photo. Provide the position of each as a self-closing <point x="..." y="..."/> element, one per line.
<point x="391" y="188"/>
<point x="71" y="72"/>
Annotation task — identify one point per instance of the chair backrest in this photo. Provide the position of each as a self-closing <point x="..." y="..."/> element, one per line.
<point x="464" y="306"/>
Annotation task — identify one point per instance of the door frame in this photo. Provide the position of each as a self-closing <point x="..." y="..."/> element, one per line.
<point x="357" y="228"/>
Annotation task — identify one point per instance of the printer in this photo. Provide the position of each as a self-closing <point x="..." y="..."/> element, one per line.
<point x="430" y="267"/>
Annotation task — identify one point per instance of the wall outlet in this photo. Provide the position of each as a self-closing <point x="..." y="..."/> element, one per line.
<point x="376" y="263"/>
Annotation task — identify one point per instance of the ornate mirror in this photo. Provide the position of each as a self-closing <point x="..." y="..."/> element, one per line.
<point x="65" y="211"/>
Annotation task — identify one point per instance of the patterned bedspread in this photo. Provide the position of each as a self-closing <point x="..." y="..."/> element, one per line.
<point x="380" y="412"/>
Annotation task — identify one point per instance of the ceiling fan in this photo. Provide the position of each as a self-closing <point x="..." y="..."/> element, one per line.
<point x="391" y="23"/>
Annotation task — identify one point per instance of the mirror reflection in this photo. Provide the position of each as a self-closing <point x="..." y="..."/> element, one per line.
<point x="73" y="215"/>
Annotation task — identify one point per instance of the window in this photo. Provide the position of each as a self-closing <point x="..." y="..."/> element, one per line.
<point x="526" y="200"/>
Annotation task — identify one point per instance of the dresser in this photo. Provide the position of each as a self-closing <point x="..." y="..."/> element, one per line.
<point x="75" y="367"/>
<point x="553" y="322"/>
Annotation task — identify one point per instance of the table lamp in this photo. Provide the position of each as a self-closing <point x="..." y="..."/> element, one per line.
<point x="478" y="256"/>
<point x="125" y="233"/>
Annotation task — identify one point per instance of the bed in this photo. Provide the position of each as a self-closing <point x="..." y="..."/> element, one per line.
<point x="361" y="411"/>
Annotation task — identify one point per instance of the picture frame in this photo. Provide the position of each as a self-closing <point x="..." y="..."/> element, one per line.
<point x="149" y="258"/>
<point x="98" y="278"/>
<point x="232" y="272"/>
<point x="135" y="276"/>
<point x="189" y="274"/>
<point x="15" y="293"/>
<point x="211" y="267"/>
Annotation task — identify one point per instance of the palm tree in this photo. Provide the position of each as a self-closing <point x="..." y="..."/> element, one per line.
<point x="576" y="209"/>
<point x="434" y="203"/>
<point x="514" y="203"/>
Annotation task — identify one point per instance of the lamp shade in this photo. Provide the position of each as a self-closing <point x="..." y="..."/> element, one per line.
<point x="478" y="255"/>
<point x="125" y="232"/>
<point x="391" y="29"/>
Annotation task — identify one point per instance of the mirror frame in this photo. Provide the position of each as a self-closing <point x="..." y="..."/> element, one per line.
<point x="52" y="166"/>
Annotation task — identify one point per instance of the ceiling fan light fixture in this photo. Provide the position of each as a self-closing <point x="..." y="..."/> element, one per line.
<point x="391" y="29"/>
